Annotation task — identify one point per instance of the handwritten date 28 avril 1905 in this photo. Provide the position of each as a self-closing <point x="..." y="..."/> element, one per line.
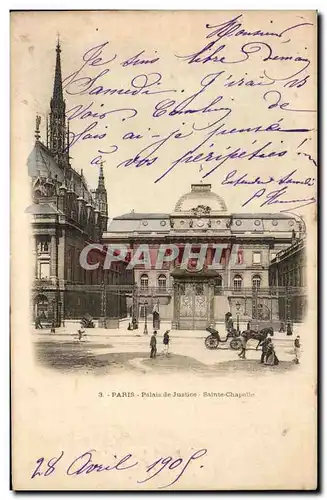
<point x="86" y="463"/>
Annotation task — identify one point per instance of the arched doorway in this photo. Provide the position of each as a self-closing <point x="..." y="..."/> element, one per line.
<point x="41" y="307"/>
<point x="260" y="310"/>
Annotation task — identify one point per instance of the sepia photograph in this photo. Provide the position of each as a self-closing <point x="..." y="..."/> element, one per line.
<point x="164" y="253"/>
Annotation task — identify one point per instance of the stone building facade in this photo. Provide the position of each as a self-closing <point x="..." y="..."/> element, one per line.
<point x="288" y="271"/>
<point x="193" y="298"/>
<point x="65" y="216"/>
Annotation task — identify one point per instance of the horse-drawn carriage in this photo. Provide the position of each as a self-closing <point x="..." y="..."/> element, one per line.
<point x="214" y="339"/>
<point x="87" y="321"/>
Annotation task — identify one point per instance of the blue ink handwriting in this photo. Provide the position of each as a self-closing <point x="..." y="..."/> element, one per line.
<point x="85" y="135"/>
<point x="85" y="464"/>
<point x="140" y="160"/>
<point x="232" y="28"/>
<point x="82" y="112"/>
<point x="211" y="53"/>
<point x="92" y="58"/>
<point x="143" y="84"/>
<point x="98" y="160"/>
<point x="277" y="97"/>
<point x="135" y="60"/>
<point x="234" y="179"/>
<point x="273" y="197"/>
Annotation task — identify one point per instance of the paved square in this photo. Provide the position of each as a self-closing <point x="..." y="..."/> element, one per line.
<point x="104" y="352"/>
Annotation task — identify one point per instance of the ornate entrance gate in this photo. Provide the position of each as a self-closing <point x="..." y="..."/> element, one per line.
<point x="193" y="305"/>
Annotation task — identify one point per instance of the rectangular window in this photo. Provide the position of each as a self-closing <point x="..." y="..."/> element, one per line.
<point x="44" y="270"/>
<point x="237" y="282"/>
<point x="256" y="258"/>
<point x="240" y="256"/>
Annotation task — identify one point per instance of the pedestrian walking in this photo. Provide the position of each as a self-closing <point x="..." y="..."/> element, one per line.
<point x="271" y="356"/>
<point x="289" y="329"/>
<point x="297" y="349"/>
<point x="265" y="345"/>
<point x="242" y="352"/>
<point x="166" y="341"/>
<point x="153" y="345"/>
<point x="53" y="326"/>
<point x="38" y="323"/>
<point x="81" y="332"/>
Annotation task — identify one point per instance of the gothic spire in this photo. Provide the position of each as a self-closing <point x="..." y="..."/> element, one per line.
<point x="57" y="126"/>
<point x="101" y="199"/>
<point x="57" y="98"/>
<point x="37" y="127"/>
<point x="101" y="186"/>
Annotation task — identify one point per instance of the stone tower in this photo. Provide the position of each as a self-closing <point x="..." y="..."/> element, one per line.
<point x="102" y="201"/>
<point x="57" y="130"/>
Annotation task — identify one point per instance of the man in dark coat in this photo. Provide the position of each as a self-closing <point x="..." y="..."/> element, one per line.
<point x="166" y="340"/>
<point x="244" y="340"/>
<point x="153" y="345"/>
<point x="289" y="329"/>
<point x="156" y="316"/>
<point x="265" y="345"/>
<point x="38" y="322"/>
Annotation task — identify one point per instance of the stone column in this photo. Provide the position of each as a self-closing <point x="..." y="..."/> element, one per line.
<point x="209" y="256"/>
<point x="227" y="269"/>
<point x="53" y="257"/>
<point x="36" y="260"/>
<point x="135" y="302"/>
<point x="226" y="277"/>
<point x="211" y="315"/>
<point x="174" y="323"/>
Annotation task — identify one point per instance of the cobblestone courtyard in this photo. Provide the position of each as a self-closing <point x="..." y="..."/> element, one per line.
<point x="102" y="352"/>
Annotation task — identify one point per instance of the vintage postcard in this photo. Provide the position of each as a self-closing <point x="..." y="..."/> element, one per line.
<point x="163" y="238"/>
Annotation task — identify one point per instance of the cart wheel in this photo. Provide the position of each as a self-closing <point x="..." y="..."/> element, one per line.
<point x="211" y="342"/>
<point x="235" y="344"/>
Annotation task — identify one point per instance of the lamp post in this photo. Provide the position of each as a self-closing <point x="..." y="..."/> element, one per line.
<point x="256" y="311"/>
<point x="289" y="329"/>
<point x="63" y="311"/>
<point x="60" y="313"/>
<point x="238" y="305"/>
<point x="145" y="331"/>
<point x="54" y="316"/>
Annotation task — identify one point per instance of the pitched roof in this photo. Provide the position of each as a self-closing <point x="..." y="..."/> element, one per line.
<point x="43" y="208"/>
<point x="41" y="163"/>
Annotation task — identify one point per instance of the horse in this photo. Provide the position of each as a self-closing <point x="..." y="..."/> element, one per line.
<point x="269" y="330"/>
<point x="260" y="336"/>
